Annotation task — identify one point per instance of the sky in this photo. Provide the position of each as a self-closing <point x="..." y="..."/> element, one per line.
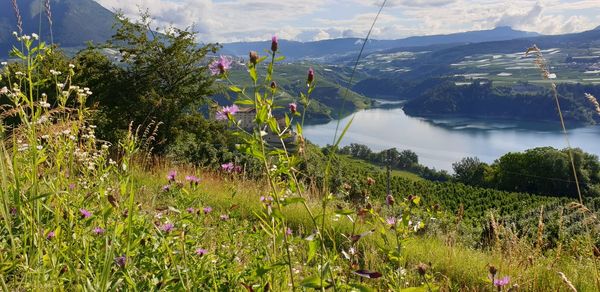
<point x="310" y="20"/>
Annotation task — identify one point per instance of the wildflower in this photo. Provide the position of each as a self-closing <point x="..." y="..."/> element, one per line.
<point x="273" y="85"/>
<point x="207" y="210"/>
<point x="167" y="227"/>
<point x="201" y="251"/>
<point x="226" y="112"/>
<point x="220" y="66"/>
<point x="311" y="76"/>
<point x="253" y="57"/>
<point x="50" y="235"/>
<point x="370" y="181"/>
<point x="71" y="66"/>
<point x="224" y="217"/>
<point x="166" y="188"/>
<point x="121" y="261"/>
<point x="191" y="210"/>
<point x="493" y="271"/>
<point x="98" y="230"/>
<point x="391" y="221"/>
<point x="35" y="36"/>
<point x="171" y="175"/>
<point x="288" y="231"/>
<point x="4" y="63"/>
<point x="193" y="180"/>
<point x="422" y="269"/>
<point x="389" y="200"/>
<point x="293" y="107"/>
<point x="85" y="213"/>
<point x="4" y="90"/>
<point x="274" y="44"/>
<point x="502" y="282"/>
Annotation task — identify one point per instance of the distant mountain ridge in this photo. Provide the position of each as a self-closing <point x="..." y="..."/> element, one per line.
<point x="344" y="46"/>
<point x="75" y="22"/>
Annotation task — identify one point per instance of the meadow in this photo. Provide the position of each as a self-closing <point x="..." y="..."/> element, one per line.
<point x="80" y="213"/>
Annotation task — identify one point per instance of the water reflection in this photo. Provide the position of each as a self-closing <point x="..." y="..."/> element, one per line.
<point x="441" y="141"/>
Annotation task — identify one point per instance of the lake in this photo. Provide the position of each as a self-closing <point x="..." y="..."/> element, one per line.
<point x="441" y="141"/>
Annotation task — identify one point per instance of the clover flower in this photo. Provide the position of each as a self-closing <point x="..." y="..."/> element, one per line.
<point x="220" y="66"/>
<point x="226" y="112"/>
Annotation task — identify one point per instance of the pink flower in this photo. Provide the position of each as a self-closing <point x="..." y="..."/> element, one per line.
<point x="85" y="213"/>
<point x="207" y="210"/>
<point x="288" y="231"/>
<point x="224" y="217"/>
<point x="191" y="210"/>
<point x="50" y="235"/>
<point x="201" y="251"/>
<point x="193" y="180"/>
<point x="391" y="221"/>
<point x="274" y="44"/>
<point x="293" y="107"/>
<point x="226" y="112"/>
<point x="167" y="227"/>
<point x="171" y="175"/>
<point x="98" y="230"/>
<point x="502" y="282"/>
<point x="220" y="66"/>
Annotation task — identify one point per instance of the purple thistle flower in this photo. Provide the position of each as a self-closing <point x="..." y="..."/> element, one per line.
<point x="85" y="213"/>
<point x="220" y="66"/>
<point x="288" y="231"/>
<point x="167" y="227"/>
<point x="207" y="210"/>
<point x="98" y="230"/>
<point x="193" y="180"/>
<point x="224" y="217"/>
<point x="274" y="44"/>
<point x="227" y="167"/>
<point x="50" y="235"/>
<point x="191" y="210"/>
<point x="293" y="107"/>
<point x="166" y="188"/>
<point x="121" y="261"/>
<point x="391" y="221"/>
<point x="171" y="175"/>
<point x="227" y="111"/>
<point x="502" y="282"/>
<point x="201" y="251"/>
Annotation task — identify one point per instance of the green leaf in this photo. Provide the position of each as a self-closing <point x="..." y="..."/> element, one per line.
<point x="235" y="89"/>
<point x="311" y="282"/>
<point x="280" y="58"/>
<point x="361" y="288"/>
<point x="244" y="102"/>
<point x="290" y="201"/>
<point x="312" y="250"/>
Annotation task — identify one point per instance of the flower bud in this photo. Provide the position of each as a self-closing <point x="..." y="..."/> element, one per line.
<point x="253" y="57"/>
<point x="311" y="76"/>
<point x="422" y="269"/>
<point x="389" y="200"/>
<point x="293" y="107"/>
<point x="274" y="44"/>
<point x="273" y="85"/>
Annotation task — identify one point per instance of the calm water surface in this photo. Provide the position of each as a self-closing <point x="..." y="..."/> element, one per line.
<point x="440" y="142"/>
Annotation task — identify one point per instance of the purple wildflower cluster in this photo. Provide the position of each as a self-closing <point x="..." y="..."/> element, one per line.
<point x="167" y="227"/>
<point x="231" y="168"/>
<point x="193" y="180"/>
<point x="85" y="213"/>
<point x="172" y="180"/>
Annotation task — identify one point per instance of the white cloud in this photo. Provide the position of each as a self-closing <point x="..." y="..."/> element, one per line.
<point x="307" y="20"/>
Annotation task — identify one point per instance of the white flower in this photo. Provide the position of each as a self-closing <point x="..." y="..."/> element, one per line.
<point x="60" y="85"/>
<point x="4" y="63"/>
<point x="552" y="76"/>
<point x="71" y="66"/>
<point x="19" y="73"/>
<point x="3" y="90"/>
<point x="35" y="36"/>
<point x="15" y="34"/>
<point x="44" y="104"/>
<point x="39" y="147"/>
<point x="26" y="37"/>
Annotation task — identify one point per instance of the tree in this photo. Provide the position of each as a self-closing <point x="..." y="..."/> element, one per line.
<point x="470" y="171"/>
<point x="161" y="77"/>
